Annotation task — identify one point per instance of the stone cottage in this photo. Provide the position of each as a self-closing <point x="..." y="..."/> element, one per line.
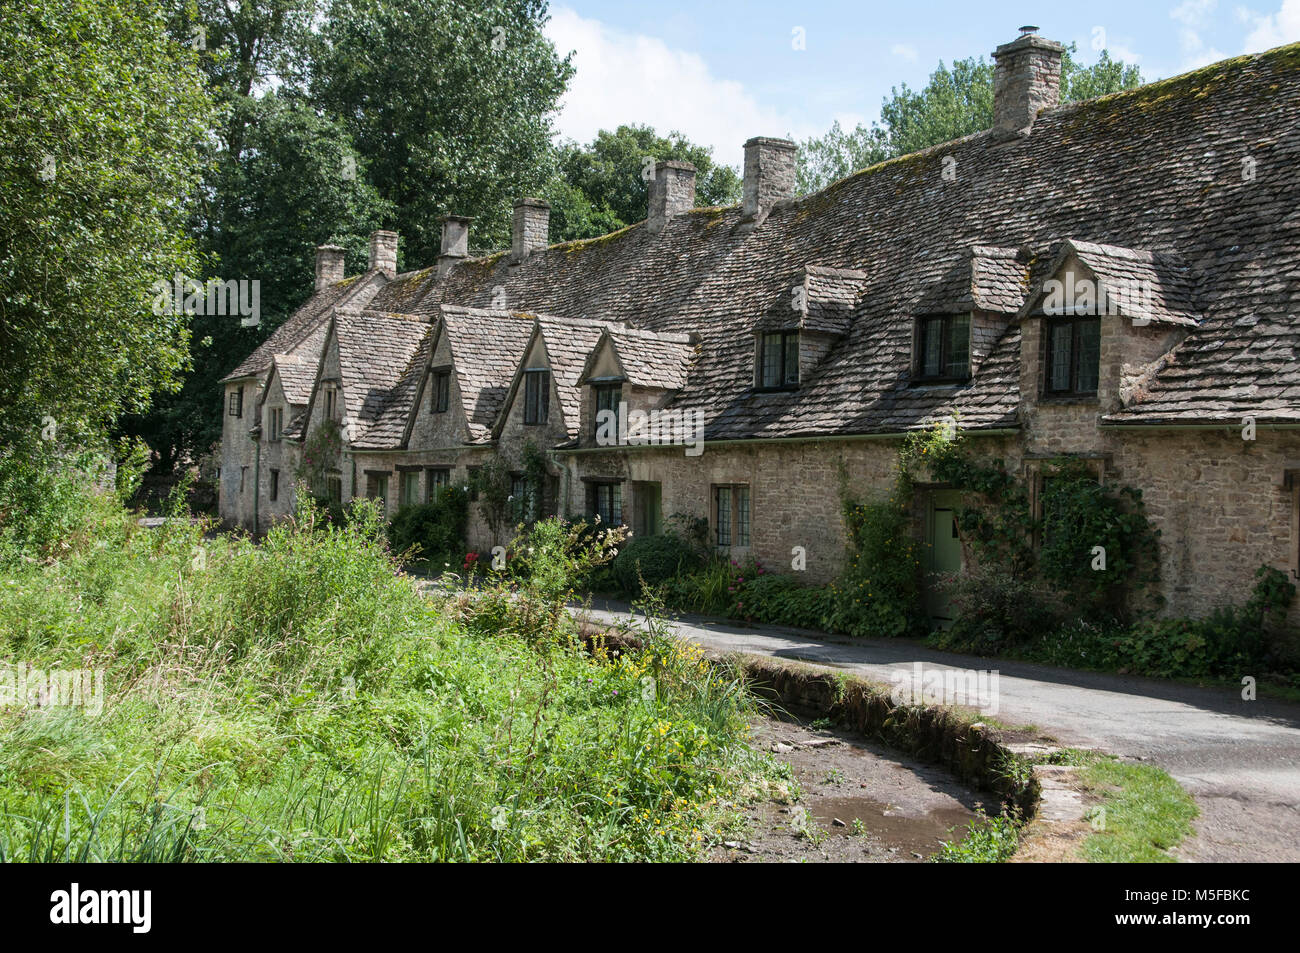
<point x="1116" y="280"/>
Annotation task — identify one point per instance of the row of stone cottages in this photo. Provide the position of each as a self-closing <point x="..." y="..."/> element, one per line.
<point x="1115" y="280"/>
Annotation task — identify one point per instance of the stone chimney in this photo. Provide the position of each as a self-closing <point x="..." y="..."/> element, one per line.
<point x="769" y="174"/>
<point x="455" y="242"/>
<point x="329" y="265"/>
<point x="383" y="252"/>
<point x="531" y="228"/>
<point x="1027" y="79"/>
<point x="672" y="192"/>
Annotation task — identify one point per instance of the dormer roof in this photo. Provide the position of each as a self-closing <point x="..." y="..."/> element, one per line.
<point x="645" y="358"/>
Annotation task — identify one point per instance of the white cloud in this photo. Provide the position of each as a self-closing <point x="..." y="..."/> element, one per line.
<point x="624" y="78"/>
<point x="1193" y="12"/>
<point x="1270" y="30"/>
<point x="1194" y="15"/>
<point x="904" y="51"/>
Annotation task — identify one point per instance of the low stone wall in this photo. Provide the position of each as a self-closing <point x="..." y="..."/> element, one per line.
<point x="972" y="751"/>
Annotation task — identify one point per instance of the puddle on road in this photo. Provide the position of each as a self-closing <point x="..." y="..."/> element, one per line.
<point x="915" y="833"/>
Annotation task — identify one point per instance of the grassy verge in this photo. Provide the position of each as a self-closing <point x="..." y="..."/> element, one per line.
<point x="1142" y="813"/>
<point x="300" y="700"/>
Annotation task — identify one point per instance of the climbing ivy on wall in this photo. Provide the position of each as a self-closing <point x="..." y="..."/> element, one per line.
<point x="879" y="590"/>
<point x="1095" y="548"/>
<point x="320" y="454"/>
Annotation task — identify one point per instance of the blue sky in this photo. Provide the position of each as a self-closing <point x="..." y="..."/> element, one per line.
<point x="721" y="72"/>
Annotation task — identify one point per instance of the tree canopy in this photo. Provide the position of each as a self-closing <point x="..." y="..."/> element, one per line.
<point x="956" y="102"/>
<point x="601" y="186"/>
<point x="451" y="105"/>
<point x="102" y="119"/>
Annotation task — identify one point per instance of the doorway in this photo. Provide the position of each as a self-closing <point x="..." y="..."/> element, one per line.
<point x="942" y="552"/>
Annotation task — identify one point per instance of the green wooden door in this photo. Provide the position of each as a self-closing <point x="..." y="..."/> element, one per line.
<point x="943" y="552"/>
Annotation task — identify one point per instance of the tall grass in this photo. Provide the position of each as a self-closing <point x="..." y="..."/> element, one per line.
<point x="300" y="700"/>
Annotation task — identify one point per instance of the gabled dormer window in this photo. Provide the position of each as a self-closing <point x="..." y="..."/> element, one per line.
<point x="440" y="393"/>
<point x="237" y="402"/>
<point x="331" y="402"/>
<point x="537" y="396"/>
<point x="778" y="360"/>
<point x="943" y="348"/>
<point x="1073" y="356"/>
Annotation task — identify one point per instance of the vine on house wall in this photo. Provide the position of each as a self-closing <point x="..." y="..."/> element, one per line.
<point x="535" y="476"/>
<point x="879" y="590"/>
<point x="1095" y="549"/>
<point x="494" y="482"/>
<point x="320" y="454"/>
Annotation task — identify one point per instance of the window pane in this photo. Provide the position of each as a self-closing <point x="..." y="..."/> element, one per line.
<point x="1089" y="355"/>
<point x="536" y="396"/>
<point x="958" y="347"/>
<point x="932" y="347"/>
<point x="770" y="358"/>
<point x="410" y="488"/>
<point x="441" y="391"/>
<point x="791" y="359"/>
<point x="742" y="516"/>
<point x="1058" y="355"/>
<point x="723" y="498"/>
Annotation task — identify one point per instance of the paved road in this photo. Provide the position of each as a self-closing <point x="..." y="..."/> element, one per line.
<point x="1239" y="759"/>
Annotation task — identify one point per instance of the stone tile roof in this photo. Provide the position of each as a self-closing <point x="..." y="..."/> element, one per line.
<point x="486" y="348"/>
<point x="985" y="278"/>
<point x="388" y="432"/>
<point x="1243" y="367"/>
<point x="1145" y="286"/>
<point x="822" y="299"/>
<point x="304" y="329"/>
<point x="297" y="372"/>
<point x="648" y="359"/>
<point x="1143" y="184"/>
<point x="375" y="352"/>
<point x="1156" y="168"/>
<point x="293" y="430"/>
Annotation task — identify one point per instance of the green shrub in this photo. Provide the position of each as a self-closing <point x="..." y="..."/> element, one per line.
<point x="709" y="590"/>
<point x="1085" y="522"/>
<point x="1001" y="616"/>
<point x="782" y="599"/>
<point x="654" y="560"/>
<point x="987" y="840"/>
<point x="995" y="611"/>
<point x="878" y="592"/>
<point x="300" y="700"/>
<point x="434" y="532"/>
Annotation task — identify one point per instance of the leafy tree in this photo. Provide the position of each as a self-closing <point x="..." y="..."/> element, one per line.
<point x="245" y="48"/>
<point x="603" y="186"/>
<point x="102" y="117"/>
<point x="298" y="184"/>
<point x="954" y="103"/>
<point x="451" y="105"/>
<point x="282" y="179"/>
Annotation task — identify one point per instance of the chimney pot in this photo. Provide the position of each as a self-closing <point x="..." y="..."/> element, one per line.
<point x="455" y="242"/>
<point x="531" y="227"/>
<point x="329" y="265"/>
<point x="383" y="252"/>
<point x="769" y="174"/>
<point x="1026" y="80"/>
<point x="672" y="192"/>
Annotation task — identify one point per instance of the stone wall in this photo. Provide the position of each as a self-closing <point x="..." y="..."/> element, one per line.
<point x="238" y="456"/>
